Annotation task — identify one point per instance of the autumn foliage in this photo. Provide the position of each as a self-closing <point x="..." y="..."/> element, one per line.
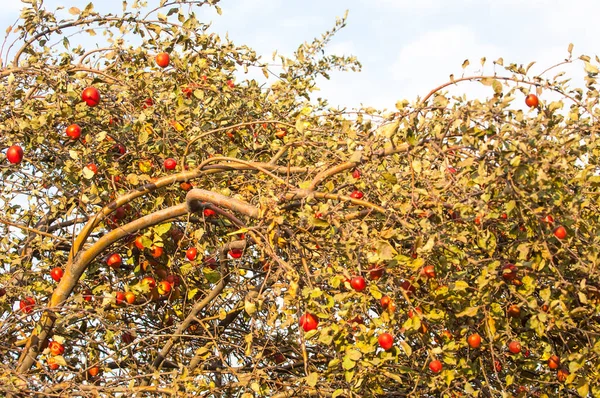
<point x="170" y="226"/>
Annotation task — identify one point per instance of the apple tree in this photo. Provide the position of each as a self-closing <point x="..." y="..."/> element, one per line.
<point x="171" y="226"/>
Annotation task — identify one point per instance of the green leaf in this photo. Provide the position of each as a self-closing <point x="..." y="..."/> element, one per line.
<point x="348" y="363"/>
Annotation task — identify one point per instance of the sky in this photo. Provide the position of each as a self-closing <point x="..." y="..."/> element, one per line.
<point x="406" y="47"/>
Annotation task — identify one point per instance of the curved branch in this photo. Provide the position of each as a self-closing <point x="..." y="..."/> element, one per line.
<point x="200" y="195"/>
<point x="73" y="271"/>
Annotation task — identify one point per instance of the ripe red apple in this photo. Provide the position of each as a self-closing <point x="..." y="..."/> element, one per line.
<point x="139" y="243"/>
<point x="170" y="164"/>
<point x="532" y="101"/>
<point x="230" y="84"/>
<point x="356" y="174"/>
<point x="356" y="194"/>
<point x="26" y="305"/>
<point x="514" y="347"/>
<point x="386" y="341"/>
<point x="14" y="154"/>
<point x="114" y="260"/>
<point x="156" y="251"/>
<point x="385" y="301"/>
<point x="451" y="170"/>
<point x="308" y="322"/>
<point x="90" y="96"/>
<point x="57" y="273"/>
<point x="162" y="60"/>
<point x="562" y="375"/>
<point x="148" y="102"/>
<point x="376" y="271"/>
<point x="149" y="281"/>
<point x="119" y="297"/>
<point x="504" y="216"/>
<point x="56" y="348"/>
<point x="52" y="363"/>
<point x="87" y="295"/>
<point x="191" y="253"/>
<point x="513" y="311"/>
<point x="93" y="371"/>
<point x="474" y="340"/>
<point x="73" y="131"/>
<point x="235" y="253"/>
<point x="509" y="272"/>
<point x="130" y="297"/>
<point x="548" y="219"/>
<point x="164" y="288"/>
<point x="208" y="212"/>
<point x="358" y="283"/>
<point x="92" y="167"/>
<point x="435" y="366"/>
<point x="560" y="232"/>
<point x="428" y="271"/>
<point x="554" y="362"/>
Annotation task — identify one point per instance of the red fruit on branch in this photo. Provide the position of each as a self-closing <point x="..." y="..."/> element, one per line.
<point x="56" y="348"/>
<point x="560" y="232"/>
<point x="532" y="101"/>
<point x="308" y="322"/>
<point x="114" y="260"/>
<point x="209" y="212"/>
<point x="514" y="347"/>
<point x="235" y="253"/>
<point x="14" y="154"/>
<point x="386" y="341"/>
<point x="191" y="253"/>
<point x="474" y="340"/>
<point x="163" y="59"/>
<point x="435" y="366"/>
<point x="26" y="305"/>
<point x="73" y="131"/>
<point x="170" y="164"/>
<point x="91" y="96"/>
<point x="356" y="174"/>
<point x="358" y="283"/>
<point x="57" y="274"/>
<point x="356" y="194"/>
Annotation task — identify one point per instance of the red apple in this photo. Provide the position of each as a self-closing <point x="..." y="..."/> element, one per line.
<point x="90" y="96"/>
<point x="156" y="251"/>
<point x="162" y="60"/>
<point x="120" y="297"/>
<point x="308" y="322"/>
<point x="26" y="305"/>
<point x="356" y="194"/>
<point x="230" y="84"/>
<point x="164" y="288"/>
<point x="385" y="301"/>
<point x="376" y="271"/>
<point x="356" y="174"/>
<point x="130" y="297"/>
<point x="149" y="281"/>
<point x="235" y="253"/>
<point x="139" y="243"/>
<point x="93" y="371"/>
<point x="509" y="272"/>
<point x="560" y="232"/>
<point x="428" y="271"/>
<point x="208" y="212"/>
<point x="73" y="131"/>
<point x="57" y="273"/>
<point x="514" y="347"/>
<point x="14" y="154"/>
<point x="554" y="362"/>
<point x="170" y="164"/>
<point x="92" y="167"/>
<point x="52" y="363"/>
<point x="114" y="260"/>
<point x="191" y="253"/>
<point x="56" y="348"/>
<point x="358" y="283"/>
<point x="548" y="219"/>
<point x="474" y="340"/>
<point x="386" y="341"/>
<point x="435" y="366"/>
<point x="532" y="101"/>
<point x="87" y="295"/>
